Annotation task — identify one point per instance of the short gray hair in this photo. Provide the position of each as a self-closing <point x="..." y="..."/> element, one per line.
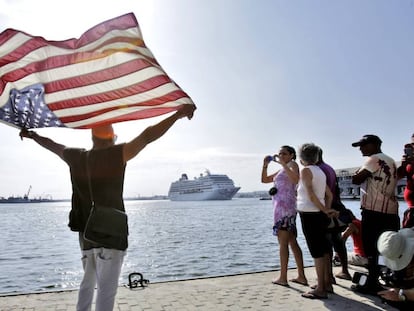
<point x="309" y="153"/>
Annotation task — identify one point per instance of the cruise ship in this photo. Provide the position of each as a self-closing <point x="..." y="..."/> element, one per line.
<point x="205" y="187"/>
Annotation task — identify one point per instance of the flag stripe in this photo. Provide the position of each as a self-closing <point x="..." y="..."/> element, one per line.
<point x="152" y="88"/>
<point x="137" y="99"/>
<point x="106" y="74"/>
<point x="98" y="76"/>
<point x="124" y="115"/>
<point x="173" y="96"/>
<point x="108" y="87"/>
<point x="66" y="70"/>
<point x="16" y="46"/>
<point x="61" y="58"/>
<point x="99" y="40"/>
<point x="30" y="49"/>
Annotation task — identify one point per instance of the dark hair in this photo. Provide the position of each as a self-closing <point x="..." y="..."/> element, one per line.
<point x="320" y="153"/>
<point x="291" y="150"/>
<point x="309" y="153"/>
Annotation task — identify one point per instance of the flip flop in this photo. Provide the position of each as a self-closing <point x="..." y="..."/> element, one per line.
<point x="281" y="284"/>
<point x="311" y="295"/>
<point x="299" y="282"/>
<point x="343" y="276"/>
<point x="330" y="291"/>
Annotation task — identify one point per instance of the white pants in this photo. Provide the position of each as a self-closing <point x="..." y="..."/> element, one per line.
<point x="102" y="267"/>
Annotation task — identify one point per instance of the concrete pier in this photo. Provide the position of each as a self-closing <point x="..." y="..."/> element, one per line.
<point x="251" y="291"/>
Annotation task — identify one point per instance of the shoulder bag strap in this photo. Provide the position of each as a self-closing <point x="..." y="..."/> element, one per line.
<point x="88" y="173"/>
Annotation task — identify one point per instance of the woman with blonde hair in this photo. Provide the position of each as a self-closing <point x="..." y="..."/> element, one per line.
<point x="314" y="205"/>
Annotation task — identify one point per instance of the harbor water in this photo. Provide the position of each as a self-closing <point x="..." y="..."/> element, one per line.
<point x="168" y="241"/>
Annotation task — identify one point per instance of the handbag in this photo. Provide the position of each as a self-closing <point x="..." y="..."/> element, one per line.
<point x="106" y="226"/>
<point x="343" y="220"/>
<point x="337" y="222"/>
<point x="345" y="215"/>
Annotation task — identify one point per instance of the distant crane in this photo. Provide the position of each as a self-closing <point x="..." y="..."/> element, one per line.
<point x="26" y="196"/>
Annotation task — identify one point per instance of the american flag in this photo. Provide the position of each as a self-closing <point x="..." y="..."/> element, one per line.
<point x="108" y="75"/>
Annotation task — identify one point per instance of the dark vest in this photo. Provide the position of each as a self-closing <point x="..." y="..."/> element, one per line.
<point x="107" y="171"/>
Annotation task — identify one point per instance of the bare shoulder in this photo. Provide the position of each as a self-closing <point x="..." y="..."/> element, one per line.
<point x="293" y="165"/>
<point x="305" y="170"/>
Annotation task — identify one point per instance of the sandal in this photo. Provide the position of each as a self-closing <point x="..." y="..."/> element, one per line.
<point x="330" y="291"/>
<point x="299" y="282"/>
<point x="313" y="295"/>
<point x="280" y="283"/>
<point x="344" y="276"/>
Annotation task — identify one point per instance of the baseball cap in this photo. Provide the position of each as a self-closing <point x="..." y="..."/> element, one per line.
<point x="103" y="131"/>
<point x="396" y="248"/>
<point x="367" y="139"/>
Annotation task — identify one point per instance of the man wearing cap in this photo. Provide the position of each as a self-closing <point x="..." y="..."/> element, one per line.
<point x="397" y="251"/>
<point x="379" y="205"/>
<point x="102" y="170"/>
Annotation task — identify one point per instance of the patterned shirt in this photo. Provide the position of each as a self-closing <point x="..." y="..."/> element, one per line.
<point x="284" y="202"/>
<point x="378" y="191"/>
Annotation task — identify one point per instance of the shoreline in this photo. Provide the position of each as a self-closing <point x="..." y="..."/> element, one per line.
<point x="156" y="282"/>
<point x="231" y="292"/>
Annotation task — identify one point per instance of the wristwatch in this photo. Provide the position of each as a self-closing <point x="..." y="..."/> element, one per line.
<point x="401" y="295"/>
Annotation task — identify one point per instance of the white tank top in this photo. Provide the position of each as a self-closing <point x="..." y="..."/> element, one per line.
<point x="304" y="204"/>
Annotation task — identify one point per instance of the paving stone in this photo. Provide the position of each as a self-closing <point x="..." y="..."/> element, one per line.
<point x="250" y="291"/>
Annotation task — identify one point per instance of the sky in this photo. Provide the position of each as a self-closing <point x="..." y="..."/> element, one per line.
<point x="263" y="73"/>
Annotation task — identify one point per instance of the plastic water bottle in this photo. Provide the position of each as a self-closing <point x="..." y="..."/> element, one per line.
<point x="271" y="158"/>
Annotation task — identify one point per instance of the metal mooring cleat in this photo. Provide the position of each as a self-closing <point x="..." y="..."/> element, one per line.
<point x="136" y="278"/>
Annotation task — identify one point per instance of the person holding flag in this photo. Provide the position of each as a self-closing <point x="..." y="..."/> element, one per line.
<point x="101" y="171"/>
<point x="106" y="76"/>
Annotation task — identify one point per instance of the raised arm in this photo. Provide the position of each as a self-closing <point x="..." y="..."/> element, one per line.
<point x="402" y="169"/>
<point x="265" y="177"/>
<point x="44" y="142"/>
<point x="152" y="133"/>
<point x="360" y="176"/>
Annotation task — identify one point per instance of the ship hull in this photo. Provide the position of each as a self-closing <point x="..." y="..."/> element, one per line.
<point x="15" y="200"/>
<point x="206" y="187"/>
<point x="219" y="194"/>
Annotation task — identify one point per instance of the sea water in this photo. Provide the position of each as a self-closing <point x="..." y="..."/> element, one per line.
<point x="167" y="241"/>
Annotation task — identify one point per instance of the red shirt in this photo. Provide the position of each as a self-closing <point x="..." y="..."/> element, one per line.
<point x="357" y="238"/>
<point x="409" y="189"/>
